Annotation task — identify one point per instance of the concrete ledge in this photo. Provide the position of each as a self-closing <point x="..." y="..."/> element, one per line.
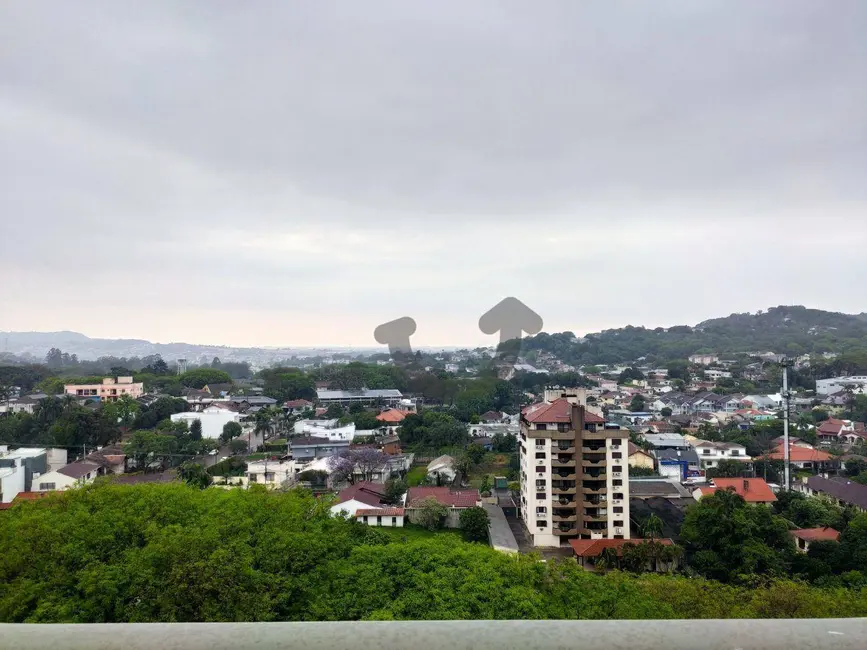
<point x="802" y="634"/>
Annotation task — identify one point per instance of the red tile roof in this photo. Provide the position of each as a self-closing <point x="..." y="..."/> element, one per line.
<point x="28" y="496"/>
<point x="830" y="428"/>
<point x="464" y="499"/>
<point x="753" y="490"/>
<point x="379" y="512"/>
<point x="816" y="534"/>
<point x="392" y="415"/>
<point x="372" y="494"/>
<point x="297" y="404"/>
<point x="592" y="418"/>
<point x="594" y="547"/>
<point x="800" y="454"/>
<point x="560" y="410"/>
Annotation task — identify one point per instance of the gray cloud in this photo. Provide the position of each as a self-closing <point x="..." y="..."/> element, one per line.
<point x="602" y="162"/>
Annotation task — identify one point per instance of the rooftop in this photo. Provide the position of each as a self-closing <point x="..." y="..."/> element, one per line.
<point x="753" y="490"/>
<point x="816" y="534"/>
<point x="372" y="494"/>
<point x="364" y="393"/>
<point x="840" y="488"/>
<point x="463" y="499"/>
<point x="379" y="512"/>
<point x="595" y="547"/>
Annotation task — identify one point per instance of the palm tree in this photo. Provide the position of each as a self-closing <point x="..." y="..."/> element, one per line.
<point x="652" y="527"/>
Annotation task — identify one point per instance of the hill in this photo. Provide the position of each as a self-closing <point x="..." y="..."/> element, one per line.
<point x="791" y="330"/>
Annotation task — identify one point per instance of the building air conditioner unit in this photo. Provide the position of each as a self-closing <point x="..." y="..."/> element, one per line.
<point x="618" y="531"/>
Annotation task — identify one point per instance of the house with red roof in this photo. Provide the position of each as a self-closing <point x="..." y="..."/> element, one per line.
<point x="804" y="457"/>
<point x="805" y="536"/>
<point x="387" y="517"/>
<point x="361" y="496"/>
<point x="294" y="406"/>
<point x="588" y="551"/>
<point x="392" y="416"/>
<point x="456" y="501"/>
<point x="752" y="490"/>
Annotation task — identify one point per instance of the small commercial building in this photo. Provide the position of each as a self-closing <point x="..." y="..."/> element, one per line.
<point x="108" y="391"/>
<point x="385" y="517"/>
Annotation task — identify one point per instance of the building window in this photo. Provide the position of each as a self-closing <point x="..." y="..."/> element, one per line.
<point x="617" y="482"/>
<point x="541" y="523"/>
<point x="541" y="427"/>
<point x="365" y="519"/>
<point x="618" y="537"/>
<point x="541" y="510"/>
<point x="541" y="484"/>
<point x="617" y="468"/>
<point x="618" y="523"/>
<point x="563" y="427"/>
<point x="617" y="495"/>
<point x="615" y="444"/>
<point x="48" y="486"/>
<point x="735" y="452"/>
<point x="394" y="521"/>
<point x="706" y="452"/>
<point x="616" y="454"/>
<point x="540" y="455"/>
<point x="540" y="495"/>
<point x="378" y="520"/>
<point x="541" y="469"/>
<point x="618" y="510"/>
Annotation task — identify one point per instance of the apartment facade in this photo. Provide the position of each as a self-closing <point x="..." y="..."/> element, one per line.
<point x="574" y="475"/>
<point x="108" y="391"/>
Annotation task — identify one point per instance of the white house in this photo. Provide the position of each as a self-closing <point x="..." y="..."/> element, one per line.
<point x="444" y="466"/>
<point x="387" y="517"/>
<point x="213" y="420"/>
<point x="325" y="429"/>
<point x="836" y="384"/>
<point x="360" y="496"/>
<point x="72" y="475"/>
<point x="272" y="473"/>
<point x="711" y="453"/>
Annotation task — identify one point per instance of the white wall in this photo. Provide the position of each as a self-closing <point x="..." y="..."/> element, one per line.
<point x="213" y="420"/>
<point x="61" y="481"/>
<point x="386" y="521"/>
<point x="349" y="507"/>
<point x="11" y="482"/>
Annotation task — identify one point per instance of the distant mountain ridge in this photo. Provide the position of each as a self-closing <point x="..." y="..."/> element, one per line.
<point x="791" y="330"/>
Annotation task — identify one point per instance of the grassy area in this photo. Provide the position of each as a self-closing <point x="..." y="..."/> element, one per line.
<point x="410" y="533"/>
<point x="258" y="456"/>
<point x="494" y="464"/>
<point x="416" y="475"/>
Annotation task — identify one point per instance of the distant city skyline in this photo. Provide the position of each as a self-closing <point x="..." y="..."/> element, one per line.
<point x="298" y="174"/>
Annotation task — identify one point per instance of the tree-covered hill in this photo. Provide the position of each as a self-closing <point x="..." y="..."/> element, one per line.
<point x="791" y="330"/>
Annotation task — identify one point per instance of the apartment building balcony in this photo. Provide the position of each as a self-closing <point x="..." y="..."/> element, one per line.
<point x="565" y="531"/>
<point x="573" y="518"/>
<point x="595" y="460"/>
<point x="565" y="449"/>
<point x="565" y="502"/>
<point x="562" y="462"/>
<point x="590" y="448"/>
<point x="563" y="474"/>
<point x="596" y="518"/>
<point x="593" y="531"/>
<point x="594" y="487"/>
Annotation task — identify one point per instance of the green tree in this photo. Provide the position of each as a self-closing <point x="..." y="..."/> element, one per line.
<point x="395" y="488"/>
<point x="237" y="446"/>
<point x="726" y="468"/>
<point x="230" y="430"/>
<point x="474" y="524"/>
<point x="638" y="403"/>
<point x="196" y="430"/>
<point x="334" y="411"/>
<point x="476" y="453"/>
<point x="201" y="377"/>
<point x="194" y="475"/>
<point x="430" y="512"/>
<point x="666" y="412"/>
<point x="652" y="527"/>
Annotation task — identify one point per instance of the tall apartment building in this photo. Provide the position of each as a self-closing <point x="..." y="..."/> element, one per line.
<point x="108" y="391"/>
<point x="574" y="475"/>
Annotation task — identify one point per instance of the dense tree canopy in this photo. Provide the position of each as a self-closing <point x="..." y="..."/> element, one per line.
<point x="110" y="553"/>
<point x="432" y="429"/>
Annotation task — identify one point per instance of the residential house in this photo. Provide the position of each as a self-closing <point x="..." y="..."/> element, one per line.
<point x="282" y="473"/>
<point x="218" y="391"/>
<point x="387" y="517"/>
<point x="295" y="406"/>
<point x="804" y="458"/>
<point x="837" y="489"/>
<point x="73" y="475"/>
<point x="392" y="418"/>
<point x="329" y="429"/>
<point x="588" y="552"/>
<point x="108" y="391"/>
<point x="393" y="466"/>
<point x="840" y="432"/>
<point x="442" y="469"/>
<point x="752" y="490"/>
<point x="703" y="359"/>
<point x="639" y="458"/>
<point x="367" y="397"/>
<point x="361" y="496"/>
<point x="245" y="403"/>
<point x="213" y="418"/>
<point x="711" y="453"/>
<point x="665" y="441"/>
<point x="679" y="464"/>
<point x="18" y="470"/>
<point x="312" y="447"/>
<point x="493" y="417"/>
<point x="806" y="536"/>
<point x="455" y="501"/>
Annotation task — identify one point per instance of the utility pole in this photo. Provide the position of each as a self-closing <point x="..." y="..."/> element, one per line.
<point x="786" y="363"/>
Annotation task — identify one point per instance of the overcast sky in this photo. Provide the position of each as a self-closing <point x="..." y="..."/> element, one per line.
<point x="297" y="173"/>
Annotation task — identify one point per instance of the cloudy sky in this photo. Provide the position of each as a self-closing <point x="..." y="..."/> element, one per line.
<point x="280" y="172"/>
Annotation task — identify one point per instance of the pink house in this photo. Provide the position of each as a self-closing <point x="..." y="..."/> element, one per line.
<point x="108" y="391"/>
